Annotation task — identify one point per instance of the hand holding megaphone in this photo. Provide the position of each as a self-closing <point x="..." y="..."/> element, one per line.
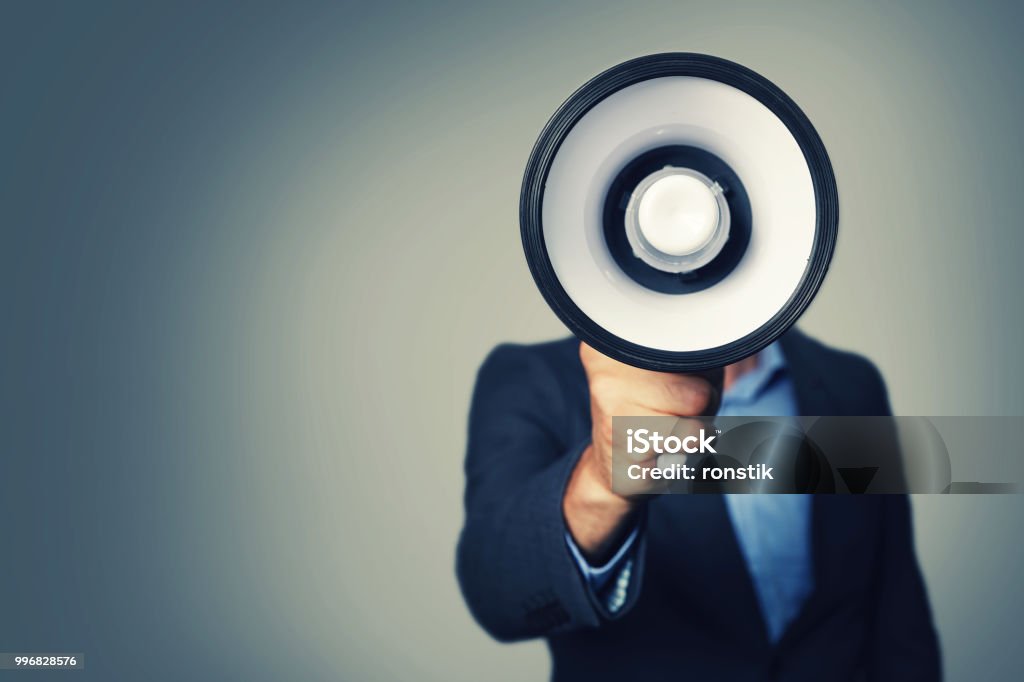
<point x="596" y="514"/>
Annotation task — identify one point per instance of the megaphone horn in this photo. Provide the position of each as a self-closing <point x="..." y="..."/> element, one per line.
<point x="679" y="212"/>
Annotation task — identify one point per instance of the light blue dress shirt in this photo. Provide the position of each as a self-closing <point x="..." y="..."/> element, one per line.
<point x="773" y="530"/>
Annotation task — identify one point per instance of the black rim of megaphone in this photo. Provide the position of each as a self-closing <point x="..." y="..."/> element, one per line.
<point x="630" y="73"/>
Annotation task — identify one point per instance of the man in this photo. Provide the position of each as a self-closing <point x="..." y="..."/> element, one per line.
<point x="681" y="587"/>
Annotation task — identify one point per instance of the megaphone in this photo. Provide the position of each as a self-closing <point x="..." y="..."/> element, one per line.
<point x="679" y="212"/>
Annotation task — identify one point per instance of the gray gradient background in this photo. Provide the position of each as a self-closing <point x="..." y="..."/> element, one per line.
<point x="252" y="257"/>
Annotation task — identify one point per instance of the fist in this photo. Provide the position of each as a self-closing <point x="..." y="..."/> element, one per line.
<point x="620" y="390"/>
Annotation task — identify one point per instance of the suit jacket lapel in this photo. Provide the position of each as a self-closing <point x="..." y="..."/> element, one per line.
<point x="837" y="526"/>
<point x="802" y="362"/>
<point x="831" y="521"/>
<point x="702" y="542"/>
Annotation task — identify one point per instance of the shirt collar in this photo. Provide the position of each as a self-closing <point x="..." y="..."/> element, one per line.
<point x="750" y="386"/>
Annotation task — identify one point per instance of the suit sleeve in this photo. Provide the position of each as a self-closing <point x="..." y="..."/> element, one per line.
<point x="904" y="645"/>
<point x="515" y="570"/>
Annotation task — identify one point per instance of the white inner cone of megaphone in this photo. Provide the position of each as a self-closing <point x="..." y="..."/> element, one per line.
<point x="738" y="129"/>
<point x="678" y="215"/>
<point x="677" y="220"/>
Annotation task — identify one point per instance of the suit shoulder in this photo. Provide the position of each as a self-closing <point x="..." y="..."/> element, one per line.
<point x="837" y="357"/>
<point x="853" y="375"/>
<point x="558" y="356"/>
<point x="542" y="379"/>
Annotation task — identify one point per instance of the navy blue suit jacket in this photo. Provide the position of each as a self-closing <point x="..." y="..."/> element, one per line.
<point x="691" y="613"/>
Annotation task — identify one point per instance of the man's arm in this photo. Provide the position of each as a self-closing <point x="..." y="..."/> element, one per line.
<point x="526" y="488"/>
<point x="517" y="574"/>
